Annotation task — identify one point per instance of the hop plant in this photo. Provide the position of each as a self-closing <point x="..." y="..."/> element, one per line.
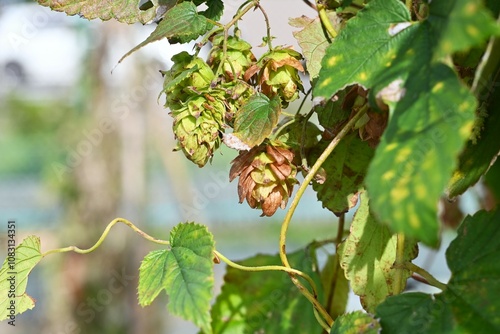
<point x="239" y="56"/>
<point x="278" y="74"/>
<point x="198" y="125"/>
<point x="266" y="177"/>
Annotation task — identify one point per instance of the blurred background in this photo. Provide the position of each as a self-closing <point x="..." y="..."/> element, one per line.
<point x="81" y="145"/>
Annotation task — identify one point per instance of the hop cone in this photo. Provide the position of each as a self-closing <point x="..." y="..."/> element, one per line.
<point x="278" y="74"/>
<point x="239" y="56"/>
<point x="267" y="176"/>
<point x="197" y="127"/>
<point x="187" y="75"/>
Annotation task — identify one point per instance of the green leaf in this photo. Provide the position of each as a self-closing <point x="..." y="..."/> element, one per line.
<point x="126" y="11"/>
<point x="27" y="255"/>
<point x="356" y="323"/>
<point x="292" y="136"/>
<point x="470" y="302"/>
<point x="313" y="40"/>
<point x="332" y="114"/>
<point x="431" y="111"/>
<point x="214" y="10"/>
<point x="345" y="172"/>
<point x="483" y="148"/>
<point x="181" y="22"/>
<point x="256" y="119"/>
<point x="367" y="256"/>
<point x="185" y="272"/>
<point x="335" y="287"/>
<point x="463" y="24"/>
<point x="265" y="302"/>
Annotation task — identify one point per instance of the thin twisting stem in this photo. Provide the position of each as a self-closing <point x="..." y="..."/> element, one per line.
<point x="103" y="236"/>
<point x="309" y="177"/>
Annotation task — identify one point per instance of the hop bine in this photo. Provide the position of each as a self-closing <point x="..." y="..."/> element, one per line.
<point x="266" y="177"/>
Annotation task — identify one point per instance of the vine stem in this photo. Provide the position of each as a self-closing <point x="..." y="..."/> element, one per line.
<point x="310" y="297"/>
<point x="324" y="19"/>
<point x="268" y="26"/>
<point x="399" y="264"/>
<point x="431" y="280"/>
<point x="309" y="177"/>
<point x="104" y="235"/>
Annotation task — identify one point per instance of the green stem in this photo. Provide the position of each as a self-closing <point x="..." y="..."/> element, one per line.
<point x="103" y="236"/>
<point x="399" y="264"/>
<point x="325" y="21"/>
<point x="340" y="229"/>
<point x="303" y="158"/>
<point x="268" y="28"/>
<point x="425" y="274"/>
<point x="309" y="177"/>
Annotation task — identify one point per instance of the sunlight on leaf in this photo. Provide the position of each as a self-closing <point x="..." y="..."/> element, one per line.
<point x="428" y="127"/>
<point x="367" y="256"/>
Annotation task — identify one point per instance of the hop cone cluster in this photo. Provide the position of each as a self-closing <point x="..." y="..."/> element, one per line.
<point x="197" y="110"/>
<point x="266" y="177"/>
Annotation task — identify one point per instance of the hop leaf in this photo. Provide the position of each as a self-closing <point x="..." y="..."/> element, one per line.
<point x="267" y="176"/>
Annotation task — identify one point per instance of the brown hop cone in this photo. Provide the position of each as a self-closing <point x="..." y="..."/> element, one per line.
<point x="267" y="176"/>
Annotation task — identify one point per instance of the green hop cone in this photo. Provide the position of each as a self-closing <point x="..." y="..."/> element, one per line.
<point x="187" y="75"/>
<point x="239" y="57"/>
<point x="278" y="74"/>
<point x="266" y="177"/>
<point x="198" y="125"/>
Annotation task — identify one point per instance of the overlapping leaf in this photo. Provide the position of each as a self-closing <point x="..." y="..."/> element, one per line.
<point x="185" y="272"/>
<point x="256" y="119"/>
<point x="345" y="171"/>
<point x="470" y="302"/>
<point x="182" y="22"/>
<point x="431" y="111"/>
<point x="27" y="256"/>
<point x="368" y="255"/>
<point x="126" y="11"/>
<point x="356" y="323"/>
<point x="480" y="151"/>
<point x="264" y="302"/>
<point x="313" y="40"/>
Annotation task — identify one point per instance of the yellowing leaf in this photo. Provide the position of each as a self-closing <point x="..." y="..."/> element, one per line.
<point x="126" y="11"/>
<point x="367" y="256"/>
